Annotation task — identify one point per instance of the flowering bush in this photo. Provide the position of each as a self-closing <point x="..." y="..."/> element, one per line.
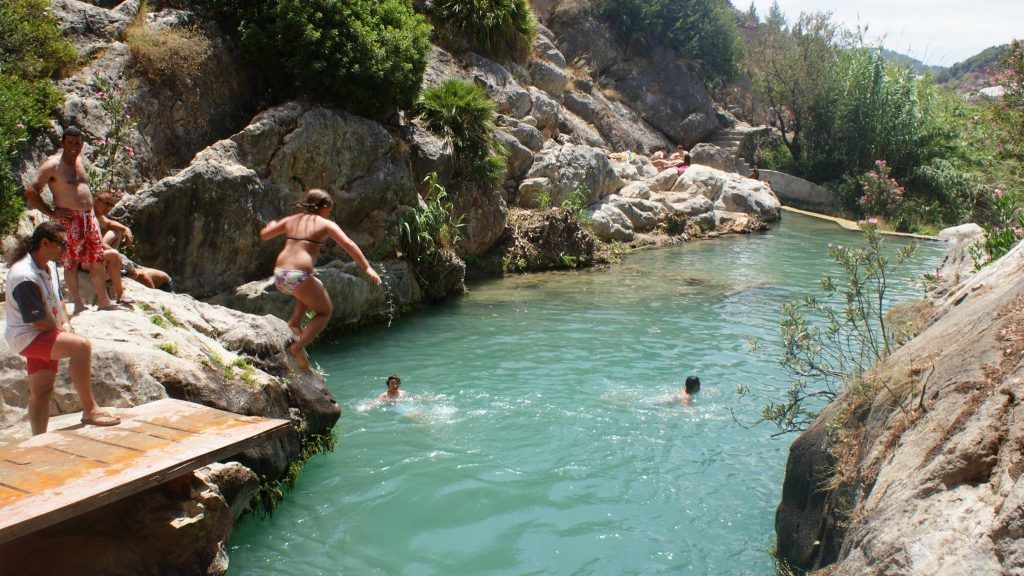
<point x="1006" y="229"/>
<point x="882" y="194"/>
<point x="112" y="155"/>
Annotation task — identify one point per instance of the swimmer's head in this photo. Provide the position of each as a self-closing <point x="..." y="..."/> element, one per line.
<point x="394" y="382"/>
<point x="692" y="384"/>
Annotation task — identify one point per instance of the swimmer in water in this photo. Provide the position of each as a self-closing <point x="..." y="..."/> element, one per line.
<point x="394" y="393"/>
<point x="688" y="390"/>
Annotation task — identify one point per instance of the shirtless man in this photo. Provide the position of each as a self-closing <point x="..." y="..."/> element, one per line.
<point x="65" y="174"/>
<point x="394" y="393"/>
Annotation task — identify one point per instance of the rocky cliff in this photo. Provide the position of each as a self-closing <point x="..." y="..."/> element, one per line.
<point x="917" y="470"/>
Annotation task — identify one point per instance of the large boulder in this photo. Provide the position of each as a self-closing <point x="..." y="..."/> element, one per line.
<point x="548" y="77"/>
<point x="643" y="214"/>
<point x="710" y="155"/>
<point x="484" y="212"/>
<point x="609" y="223"/>
<point x="544" y="112"/>
<point x="730" y="192"/>
<point x="575" y="167"/>
<point x="235" y="186"/>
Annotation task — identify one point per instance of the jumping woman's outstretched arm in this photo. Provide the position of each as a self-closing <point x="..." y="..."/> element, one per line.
<point x="353" y="250"/>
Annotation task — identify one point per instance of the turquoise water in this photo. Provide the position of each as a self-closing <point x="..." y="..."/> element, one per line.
<point x="541" y="438"/>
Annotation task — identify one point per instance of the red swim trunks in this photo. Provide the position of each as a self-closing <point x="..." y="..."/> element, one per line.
<point x="85" y="243"/>
<point x="37" y="354"/>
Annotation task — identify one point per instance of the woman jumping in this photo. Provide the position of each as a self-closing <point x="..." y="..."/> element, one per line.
<point x="306" y="232"/>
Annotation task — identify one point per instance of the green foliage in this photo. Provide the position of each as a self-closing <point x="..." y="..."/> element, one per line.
<point x="425" y="232"/>
<point x="849" y="108"/>
<point x="830" y="342"/>
<point x="703" y="30"/>
<point x="544" y="199"/>
<point x="158" y="321"/>
<point x="271" y="492"/>
<point x="1003" y="230"/>
<point x="169" y="347"/>
<point x="367" y="56"/>
<point x="462" y="114"/>
<point x="32" y="53"/>
<point x="495" y="28"/>
<point x="576" y="202"/>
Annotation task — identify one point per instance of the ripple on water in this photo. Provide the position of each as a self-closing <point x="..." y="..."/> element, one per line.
<point x="545" y="440"/>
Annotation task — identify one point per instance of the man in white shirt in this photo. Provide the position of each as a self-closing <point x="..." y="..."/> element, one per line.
<point x="37" y="328"/>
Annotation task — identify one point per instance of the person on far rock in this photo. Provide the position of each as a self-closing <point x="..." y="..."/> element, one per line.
<point x="65" y="175"/>
<point x="305" y="233"/>
<point x="37" y="328"/>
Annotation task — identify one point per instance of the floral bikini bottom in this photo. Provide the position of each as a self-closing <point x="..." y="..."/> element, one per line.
<point x="287" y="281"/>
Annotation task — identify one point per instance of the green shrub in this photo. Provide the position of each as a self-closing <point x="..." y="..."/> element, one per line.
<point x="502" y="29"/>
<point x="32" y="52"/>
<point x="366" y="56"/>
<point x="576" y="202"/>
<point x="425" y="232"/>
<point x="462" y="114"/>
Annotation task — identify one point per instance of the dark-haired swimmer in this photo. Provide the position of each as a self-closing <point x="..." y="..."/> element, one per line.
<point x="689" y="389"/>
<point x="306" y="231"/>
<point x="394" y="392"/>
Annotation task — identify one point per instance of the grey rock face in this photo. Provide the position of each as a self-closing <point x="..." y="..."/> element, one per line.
<point x="545" y="112"/>
<point x="713" y="156"/>
<point x="730" y="192"/>
<point x="519" y="158"/>
<point x="662" y="89"/>
<point x="547" y="50"/>
<point x="609" y="223"/>
<point x="622" y="128"/>
<point x="569" y="166"/>
<point x="643" y="214"/>
<point x="933" y="482"/>
<point x="528" y="136"/>
<point x="485" y="214"/>
<point x="235" y="186"/>
<point x="548" y="77"/>
<point x="501" y="86"/>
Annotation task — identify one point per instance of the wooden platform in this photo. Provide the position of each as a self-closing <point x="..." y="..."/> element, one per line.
<point x="64" y="473"/>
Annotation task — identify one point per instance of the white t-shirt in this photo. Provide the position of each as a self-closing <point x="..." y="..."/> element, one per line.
<point x="32" y="295"/>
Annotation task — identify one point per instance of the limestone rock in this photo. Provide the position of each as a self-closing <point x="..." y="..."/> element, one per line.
<point x="236" y="484"/>
<point x="501" y="86"/>
<point x="235" y="186"/>
<point x="730" y="192"/>
<point x="544" y="240"/>
<point x="528" y="136"/>
<point x="548" y="77"/>
<point x="530" y="191"/>
<point x="90" y="28"/>
<point x="570" y="167"/>
<point x="609" y="223"/>
<point x="545" y="111"/>
<point x="546" y="49"/>
<point x="710" y="155"/>
<point x="967" y="231"/>
<point x="618" y="125"/>
<point x="636" y="190"/>
<point x="518" y="158"/>
<point x="643" y="214"/>
<point x="663" y="181"/>
<point x="932" y="483"/>
<point x="657" y="85"/>
<point x="429" y="153"/>
<point x="632" y="167"/>
<point x="577" y="130"/>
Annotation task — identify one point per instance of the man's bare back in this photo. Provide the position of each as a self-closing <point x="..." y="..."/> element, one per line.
<point x="65" y="174"/>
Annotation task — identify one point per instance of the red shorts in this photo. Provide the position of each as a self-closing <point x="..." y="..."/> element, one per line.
<point x="37" y="354"/>
<point x="85" y="243"/>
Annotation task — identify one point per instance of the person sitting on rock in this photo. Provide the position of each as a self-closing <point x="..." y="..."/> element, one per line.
<point x="689" y="389"/>
<point x="65" y="175"/>
<point x="394" y="391"/>
<point x="305" y="233"/>
<point x="114" y="235"/>
<point x="37" y="328"/>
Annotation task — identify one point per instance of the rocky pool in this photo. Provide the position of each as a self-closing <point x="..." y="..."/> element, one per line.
<point x="540" y="439"/>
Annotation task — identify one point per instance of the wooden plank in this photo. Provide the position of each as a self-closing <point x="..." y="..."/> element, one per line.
<point x="61" y="474"/>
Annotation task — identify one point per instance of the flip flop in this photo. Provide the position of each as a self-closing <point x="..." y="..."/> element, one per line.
<point x="101" y="419"/>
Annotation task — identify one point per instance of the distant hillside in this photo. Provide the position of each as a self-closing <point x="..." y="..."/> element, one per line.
<point x="972" y="74"/>
<point x="915" y="65"/>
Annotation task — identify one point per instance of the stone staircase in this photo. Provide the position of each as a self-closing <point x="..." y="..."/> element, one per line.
<point x="736" y="143"/>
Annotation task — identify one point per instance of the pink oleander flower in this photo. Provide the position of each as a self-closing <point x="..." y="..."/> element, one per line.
<point x="131" y="151"/>
<point x="880" y="163"/>
<point x="1018" y="232"/>
<point x="997" y="193"/>
<point x="127" y="116"/>
<point x="19" y="126"/>
<point x="872" y="220"/>
<point x="101" y="95"/>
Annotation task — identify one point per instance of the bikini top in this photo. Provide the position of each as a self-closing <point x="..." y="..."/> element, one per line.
<point x="305" y="240"/>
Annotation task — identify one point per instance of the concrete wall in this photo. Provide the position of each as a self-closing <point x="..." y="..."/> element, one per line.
<point x="800" y="193"/>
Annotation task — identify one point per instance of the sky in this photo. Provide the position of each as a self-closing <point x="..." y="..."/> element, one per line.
<point x="937" y="32"/>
